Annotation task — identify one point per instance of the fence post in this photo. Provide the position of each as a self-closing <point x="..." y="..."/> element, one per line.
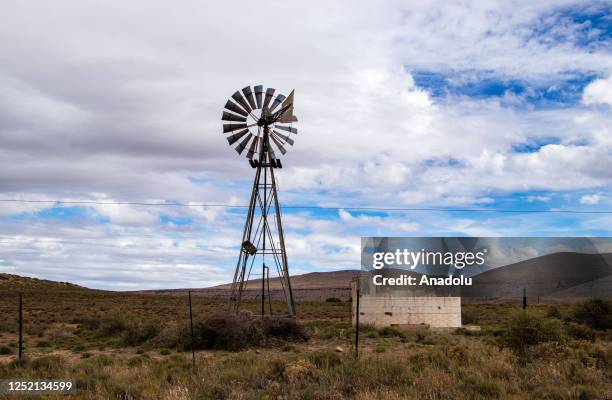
<point x="524" y="298"/>
<point x="263" y="290"/>
<point x="357" y="324"/>
<point x="269" y="295"/>
<point x="20" y="325"/>
<point x="191" y="327"/>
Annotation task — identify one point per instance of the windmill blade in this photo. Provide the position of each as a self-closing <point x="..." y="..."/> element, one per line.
<point x="286" y="138"/>
<point x="227" y="116"/>
<point x="234" y="107"/>
<point x="248" y="93"/>
<point x="240" y="100"/>
<point x="287" y="116"/>
<point x="240" y="148"/>
<point x="278" y="144"/>
<point x="271" y="153"/>
<point x="286" y="128"/>
<point x="279" y="99"/>
<point x="236" y="136"/>
<point x="258" y="95"/>
<point x="253" y="147"/>
<point x="233" y="127"/>
<point x="268" y="98"/>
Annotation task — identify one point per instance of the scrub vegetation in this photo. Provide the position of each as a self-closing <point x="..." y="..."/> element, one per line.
<point x="137" y="346"/>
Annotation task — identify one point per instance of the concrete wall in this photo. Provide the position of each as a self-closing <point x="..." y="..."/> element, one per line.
<point x="380" y="311"/>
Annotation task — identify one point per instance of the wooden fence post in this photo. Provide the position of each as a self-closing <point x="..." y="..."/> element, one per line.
<point x="191" y="326"/>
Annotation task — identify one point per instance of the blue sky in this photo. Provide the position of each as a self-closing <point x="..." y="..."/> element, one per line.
<point x="478" y="105"/>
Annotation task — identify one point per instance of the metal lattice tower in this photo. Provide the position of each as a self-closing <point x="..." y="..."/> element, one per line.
<point x="253" y="119"/>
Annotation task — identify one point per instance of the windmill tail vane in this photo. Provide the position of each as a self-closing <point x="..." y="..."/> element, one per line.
<point x="261" y="122"/>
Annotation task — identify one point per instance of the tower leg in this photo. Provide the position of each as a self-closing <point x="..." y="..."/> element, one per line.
<point x="283" y="252"/>
<point x="239" y="274"/>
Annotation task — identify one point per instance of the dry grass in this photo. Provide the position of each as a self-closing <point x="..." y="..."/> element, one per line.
<point x="120" y="346"/>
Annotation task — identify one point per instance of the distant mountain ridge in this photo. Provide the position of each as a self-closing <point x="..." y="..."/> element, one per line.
<point x="558" y="275"/>
<point x="552" y="275"/>
<point x="18" y="282"/>
<point x="309" y="286"/>
<point x="311" y="280"/>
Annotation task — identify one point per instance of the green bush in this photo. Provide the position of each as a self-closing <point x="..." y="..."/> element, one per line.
<point x="5" y="350"/>
<point x="596" y="313"/>
<point x="137" y="333"/>
<point x="132" y="330"/>
<point x="525" y="330"/>
<point x="113" y="323"/>
<point x="367" y="328"/>
<point x="326" y="329"/>
<point x="388" y="331"/>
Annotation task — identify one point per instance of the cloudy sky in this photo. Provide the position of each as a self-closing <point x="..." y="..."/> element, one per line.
<point x="478" y="104"/>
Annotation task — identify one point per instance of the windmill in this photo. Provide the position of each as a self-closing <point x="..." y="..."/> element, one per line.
<point x="261" y="122"/>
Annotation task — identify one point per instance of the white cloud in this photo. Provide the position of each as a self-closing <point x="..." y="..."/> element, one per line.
<point x="591" y="199"/>
<point x="598" y="91"/>
<point x="543" y="199"/>
<point x="115" y="104"/>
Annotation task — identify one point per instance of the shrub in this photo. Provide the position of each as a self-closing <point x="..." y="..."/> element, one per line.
<point x="48" y="364"/>
<point x="289" y="347"/>
<point x="137" y="333"/>
<point x="91" y="324"/>
<point x="328" y="329"/>
<point x="324" y="359"/>
<point x="381" y="347"/>
<point x="368" y="328"/>
<point x="78" y="347"/>
<point x="596" y="313"/>
<point x="481" y="387"/>
<point x="223" y="332"/>
<point x="553" y="312"/>
<point x="525" y="330"/>
<point x="333" y="300"/>
<point x="467" y="318"/>
<point x="388" y="331"/>
<point x="236" y="332"/>
<point x="299" y="372"/>
<point x="282" y="328"/>
<point x="132" y="330"/>
<point x="113" y="324"/>
<point x="5" y="350"/>
<point x="579" y="331"/>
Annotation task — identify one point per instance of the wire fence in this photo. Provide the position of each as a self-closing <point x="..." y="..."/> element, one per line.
<point x="313" y="207"/>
